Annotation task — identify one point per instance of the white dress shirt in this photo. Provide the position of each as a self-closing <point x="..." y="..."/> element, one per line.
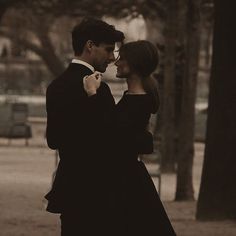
<point x="83" y="63"/>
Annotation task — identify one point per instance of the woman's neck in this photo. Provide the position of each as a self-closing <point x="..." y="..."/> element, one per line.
<point x="135" y="85"/>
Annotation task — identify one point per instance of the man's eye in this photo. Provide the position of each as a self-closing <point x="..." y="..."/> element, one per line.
<point x="109" y="50"/>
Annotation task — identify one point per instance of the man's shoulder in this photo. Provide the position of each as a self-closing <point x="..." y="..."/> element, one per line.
<point x="55" y="83"/>
<point x="68" y="77"/>
<point x="59" y="84"/>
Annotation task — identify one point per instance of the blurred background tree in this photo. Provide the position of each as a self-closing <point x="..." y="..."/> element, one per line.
<point x="43" y="27"/>
<point x="217" y="191"/>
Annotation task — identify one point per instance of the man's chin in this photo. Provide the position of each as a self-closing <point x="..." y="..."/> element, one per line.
<point x="101" y="69"/>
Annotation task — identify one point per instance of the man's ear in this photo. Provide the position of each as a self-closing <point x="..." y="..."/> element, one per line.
<point x="89" y="45"/>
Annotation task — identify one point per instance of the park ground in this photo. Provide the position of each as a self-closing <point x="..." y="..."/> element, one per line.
<point x="26" y="175"/>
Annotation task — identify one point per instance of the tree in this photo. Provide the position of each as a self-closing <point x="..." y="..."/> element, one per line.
<point x="4" y="5"/>
<point x="180" y="77"/>
<point x="34" y="18"/>
<point x="217" y="191"/>
<point x="39" y="16"/>
<point x="31" y="31"/>
<point x="189" y="25"/>
<point x="207" y="29"/>
<point x="168" y="116"/>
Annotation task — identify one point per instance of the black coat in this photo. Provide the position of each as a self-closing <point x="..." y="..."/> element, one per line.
<point x="77" y="128"/>
<point x="91" y="137"/>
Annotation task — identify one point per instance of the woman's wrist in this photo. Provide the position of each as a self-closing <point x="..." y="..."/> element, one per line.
<point x="91" y="92"/>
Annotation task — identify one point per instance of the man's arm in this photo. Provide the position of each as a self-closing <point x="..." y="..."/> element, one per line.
<point x="53" y="120"/>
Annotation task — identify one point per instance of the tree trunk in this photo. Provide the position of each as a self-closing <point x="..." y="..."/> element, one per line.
<point x="218" y="189"/>
<point x="4" y="5"/>
<point x="45" y="50"/>
<point x="207" y="46"/>
<point x="50" y="58"/>
<point x="189" y="28"/>
<point x="48" y="54"/>
<point x="168" y="125"/>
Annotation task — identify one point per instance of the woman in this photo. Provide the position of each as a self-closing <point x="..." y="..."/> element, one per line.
<point x="137" y="201"/>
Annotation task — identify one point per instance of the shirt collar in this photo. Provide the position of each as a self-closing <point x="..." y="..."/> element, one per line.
<point x="83" y="63"/>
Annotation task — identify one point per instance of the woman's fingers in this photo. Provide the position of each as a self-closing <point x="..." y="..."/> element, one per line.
<point x="92" y="82"/>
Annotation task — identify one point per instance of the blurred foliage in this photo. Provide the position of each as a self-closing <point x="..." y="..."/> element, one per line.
<point x="30" y="23"/>
<point x="5" y="4"/>
<point x="99" y="8"/>
<point x="150" y="9"/>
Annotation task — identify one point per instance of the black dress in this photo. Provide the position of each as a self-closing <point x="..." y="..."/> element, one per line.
<point x="142" y="210"/>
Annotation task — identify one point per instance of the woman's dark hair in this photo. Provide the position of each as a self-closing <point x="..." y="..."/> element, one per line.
<point x="142" y="58"/>
<point x="141" y="55"/>
<point x="96" y="30"/>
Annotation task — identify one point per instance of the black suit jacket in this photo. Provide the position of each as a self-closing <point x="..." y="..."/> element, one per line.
<point x="78" y="126"/>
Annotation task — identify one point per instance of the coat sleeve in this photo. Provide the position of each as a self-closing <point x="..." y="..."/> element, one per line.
<point x="54" y="120"/>
<point x="76" y="120"/>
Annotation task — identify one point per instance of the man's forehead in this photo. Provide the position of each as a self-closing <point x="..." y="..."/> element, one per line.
<point x="116" y="45"/>
<point x="108" y="45"/>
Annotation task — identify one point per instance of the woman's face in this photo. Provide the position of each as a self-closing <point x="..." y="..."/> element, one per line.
<point x="123" y="68"/>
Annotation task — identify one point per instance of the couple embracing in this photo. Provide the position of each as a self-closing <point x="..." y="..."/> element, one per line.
<point x="101" y="187"/>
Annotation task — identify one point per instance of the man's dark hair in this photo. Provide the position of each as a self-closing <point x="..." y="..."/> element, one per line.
<point x="96" y="30"/>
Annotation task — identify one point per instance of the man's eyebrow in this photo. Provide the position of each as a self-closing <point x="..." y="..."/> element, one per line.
<point x="109" y="48"/>
<point x="112" y="47"/>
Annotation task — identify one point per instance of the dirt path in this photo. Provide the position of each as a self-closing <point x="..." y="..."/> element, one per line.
<point x="25" y="176"/>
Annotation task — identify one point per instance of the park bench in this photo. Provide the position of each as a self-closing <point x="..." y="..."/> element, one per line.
<point x="14" y="121"/>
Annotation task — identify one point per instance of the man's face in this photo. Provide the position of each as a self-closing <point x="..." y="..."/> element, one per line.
<point x="102" y="55"/>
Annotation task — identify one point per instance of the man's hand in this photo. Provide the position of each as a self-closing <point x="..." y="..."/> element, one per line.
<point x="92" y="83"/>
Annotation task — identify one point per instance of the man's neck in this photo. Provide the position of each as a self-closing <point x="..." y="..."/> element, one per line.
<point x="82" y="60"/>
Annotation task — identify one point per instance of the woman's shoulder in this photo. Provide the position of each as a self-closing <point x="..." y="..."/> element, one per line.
<point x="142" y="102"/>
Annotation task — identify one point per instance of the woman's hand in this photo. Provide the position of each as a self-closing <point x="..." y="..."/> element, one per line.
<point x="92" y="83"/>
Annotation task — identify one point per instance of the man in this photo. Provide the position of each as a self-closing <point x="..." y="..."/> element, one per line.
<point x="77" y="128"/>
